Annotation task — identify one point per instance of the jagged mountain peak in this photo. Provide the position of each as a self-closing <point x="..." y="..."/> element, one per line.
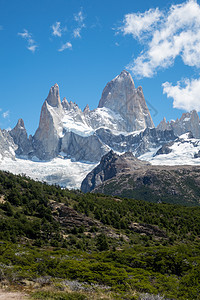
<point x="121" y="96"/>
<point x="86" y="109"/>
<point x="64" y="100"/>
<point x="189" y="121"/>
<point x="191" y="114"/>
<point x="65" y="104"/>
<point x="53" y="98"/>
<point x="20" y="124"/>
<point x="124" y="75"/>
<point x="120" y="82"/>
<point x="19" y="135"/>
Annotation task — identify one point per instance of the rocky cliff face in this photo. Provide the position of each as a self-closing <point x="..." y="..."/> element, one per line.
<point x="189" y="122"/>
<point x="47" y="137"/>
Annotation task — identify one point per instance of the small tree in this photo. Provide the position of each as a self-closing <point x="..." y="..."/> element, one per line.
<point x="102" y="243"/>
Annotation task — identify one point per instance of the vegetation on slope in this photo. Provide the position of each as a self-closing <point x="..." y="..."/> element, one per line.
<point x="89" y="245"/>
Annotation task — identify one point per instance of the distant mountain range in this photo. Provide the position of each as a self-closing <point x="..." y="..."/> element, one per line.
<point x="70" y="142"/>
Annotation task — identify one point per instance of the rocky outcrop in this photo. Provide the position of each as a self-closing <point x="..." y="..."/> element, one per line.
<point x="110" y="166"/>
<point x="21" y="139"/>
<point x="189" y="122"/>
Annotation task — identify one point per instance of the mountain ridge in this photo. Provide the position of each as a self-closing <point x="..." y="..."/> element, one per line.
<point x="126" y="176"/>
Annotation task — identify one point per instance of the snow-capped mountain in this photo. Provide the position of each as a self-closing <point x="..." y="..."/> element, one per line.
<point x="69" y="142"/>
<point x="65" y="129"/>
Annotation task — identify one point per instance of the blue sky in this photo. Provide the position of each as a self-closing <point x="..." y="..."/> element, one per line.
<point x="83" y="44"/>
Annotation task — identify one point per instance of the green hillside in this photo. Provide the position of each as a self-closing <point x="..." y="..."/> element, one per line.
<point x="61" y="244"/>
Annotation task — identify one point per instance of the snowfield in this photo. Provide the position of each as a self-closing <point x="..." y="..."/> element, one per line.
<point x="64" y="172"/>
<point x="183" y="151"/>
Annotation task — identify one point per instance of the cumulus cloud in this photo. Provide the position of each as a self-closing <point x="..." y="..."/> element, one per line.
<point x="138" y="23"/>
<point x="167" y="35"/>
<point x="32" y="46"/>
<point x="185" y="94"/>
<point x="79" y="18"/>
<point x="6" y="114"/>
<point x="65" y="46"/>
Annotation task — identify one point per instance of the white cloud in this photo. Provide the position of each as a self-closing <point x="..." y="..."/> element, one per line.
<point x="57" y="29"/>
<point x="32" y="46"/>
<point x="169" y="34"/>
<point x="186" y="94"/>
<point x="79" y="18"/>
<point x="6" y="114"/>
<point x="77" y="32"/>
<point x="138" y="23"/>
<point x="25" y="34"/>
<point x="65" y="46"/>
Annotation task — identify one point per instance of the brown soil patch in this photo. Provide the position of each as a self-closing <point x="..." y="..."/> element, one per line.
<point x="4" y="295"/>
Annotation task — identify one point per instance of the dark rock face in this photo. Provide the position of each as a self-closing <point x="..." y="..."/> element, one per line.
<point x="165" y="149"/>
<point x="111" y="164"/>
<point x="197" y="155"/>
<point x="136" y="143"/>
